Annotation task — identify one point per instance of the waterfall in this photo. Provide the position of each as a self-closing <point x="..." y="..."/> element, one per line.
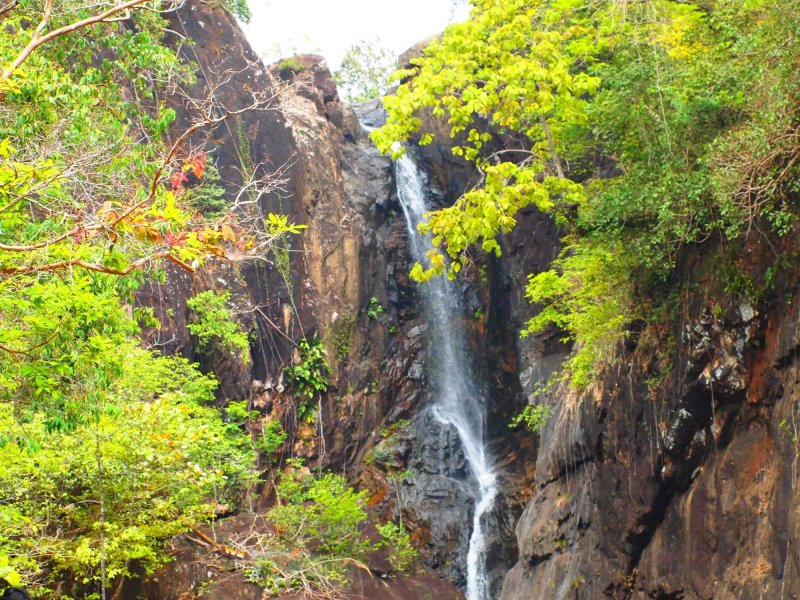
<point x="458" y="402"/>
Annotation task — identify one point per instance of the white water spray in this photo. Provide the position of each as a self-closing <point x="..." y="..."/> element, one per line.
<point x="458" y="401"/>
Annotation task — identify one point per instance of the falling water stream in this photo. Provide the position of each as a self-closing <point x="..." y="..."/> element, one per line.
<point x="458" y="401"/>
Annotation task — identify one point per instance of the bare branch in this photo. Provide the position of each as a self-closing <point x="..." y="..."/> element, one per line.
<point x="8" y="6"/>
<point x="206" y="121"/>
<point x="76" y="262"/>
<point x="87" y="220"/>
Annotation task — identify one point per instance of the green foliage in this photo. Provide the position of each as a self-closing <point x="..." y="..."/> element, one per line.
<point x="271" y="439"/>
<point x="7" y="572"/>
<point x="88" y="178"/>
<point x="681" y="100"/>
<point x="214" y="324"/>
<point x="291" y="66"/>
<point x="149" y="379"/>
<point x="374" y="308"/>
<point x="155" y="461"/>
<point x="57" y="333"/>
<point x="310" y="375"/>
<point x="317" y="522"/>
<point x="534" y="417"/>
<point x="515" y="64"/>
<point x="364" y="72"/>
<point x="587" y="295"/>
<point x="106" y="451"/>
<point x="236" y="412"/>
<point x="239" y="9"/>
<point x="318" y="526"/>
<point x="401" y="553"/>
<point x="88" y="185"/>
<point x="323" y="512"/>
<point x="94" y="196"/>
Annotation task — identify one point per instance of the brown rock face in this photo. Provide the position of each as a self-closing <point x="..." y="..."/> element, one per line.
<point x="354" y="250"/>
<point x="673" y="477"/>
<point x="317" y="284"/>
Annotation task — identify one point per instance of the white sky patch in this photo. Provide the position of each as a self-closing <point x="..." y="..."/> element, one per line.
<point x="281" y="28"/>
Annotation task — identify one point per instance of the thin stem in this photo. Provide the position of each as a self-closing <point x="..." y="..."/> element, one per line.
<point x="552" y="145"/>
<point x="100" y="482"/>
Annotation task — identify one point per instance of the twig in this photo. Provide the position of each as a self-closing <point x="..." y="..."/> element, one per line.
<point x="8" y="6"/>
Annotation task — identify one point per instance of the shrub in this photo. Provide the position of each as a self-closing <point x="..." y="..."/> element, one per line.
<point x="214" y="324"/>
<point x="115" y="489"/>
<point x="401" y="552"/>
<point x="309" y="376"/>
<point x="271" y="438"/>
<point x="318" y="536"/>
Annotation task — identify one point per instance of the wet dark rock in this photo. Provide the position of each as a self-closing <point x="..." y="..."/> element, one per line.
<point x="371" y="113"/>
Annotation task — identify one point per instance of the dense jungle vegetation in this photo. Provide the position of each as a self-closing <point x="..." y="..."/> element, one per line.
<point x="643" y="127"/>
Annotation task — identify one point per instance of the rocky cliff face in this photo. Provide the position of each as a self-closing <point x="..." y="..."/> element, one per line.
<point x="354" y="256"/>
<point x="673" y="477"/>
<point x="318" y="285"/>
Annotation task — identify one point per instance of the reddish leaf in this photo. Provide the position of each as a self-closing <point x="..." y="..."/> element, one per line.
<point x="178" y="179"/>
<point x="199" y="165"/>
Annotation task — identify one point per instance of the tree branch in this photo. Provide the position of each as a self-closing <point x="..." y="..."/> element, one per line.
<point x="8" y="6"/>
<point x="206" y="121"/>
<point x="38" y="39"/>
<point x="77" y="262"/>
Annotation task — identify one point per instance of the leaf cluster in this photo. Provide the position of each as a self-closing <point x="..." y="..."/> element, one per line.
<point x="310" y="375"/>
<point x="214" y="325"/>
<point x="319" y="535"/>
<point x="374" y="308"/>
<point x="534" y="417"/>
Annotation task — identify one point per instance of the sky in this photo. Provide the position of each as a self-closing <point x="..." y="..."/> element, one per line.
<point x="280" y="28"/>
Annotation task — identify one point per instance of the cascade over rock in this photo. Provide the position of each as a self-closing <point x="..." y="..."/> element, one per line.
<point x="674" y="476"/>
<point x="356" y="248"/>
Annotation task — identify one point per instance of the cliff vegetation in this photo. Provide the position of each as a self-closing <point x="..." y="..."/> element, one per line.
<point x="644" y="128"/>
